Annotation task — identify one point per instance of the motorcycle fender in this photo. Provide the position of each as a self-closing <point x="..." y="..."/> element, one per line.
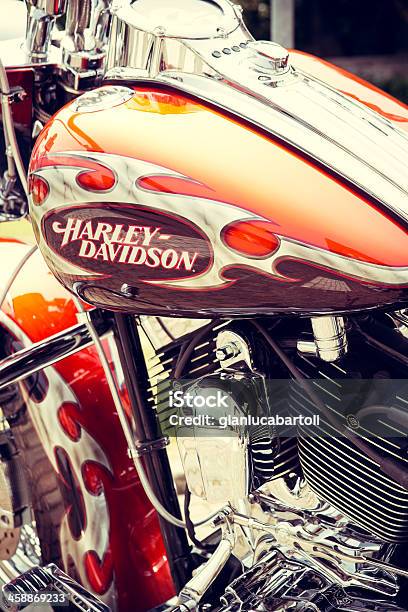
<point x="109" y="531"/>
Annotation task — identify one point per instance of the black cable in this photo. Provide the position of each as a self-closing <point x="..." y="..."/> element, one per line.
<point x="190" y="525"/>
<point x="380" y="345"/>
<point x="187" y="349"/>
<point x="165" y="329"/>
<point x="389" y="467"/>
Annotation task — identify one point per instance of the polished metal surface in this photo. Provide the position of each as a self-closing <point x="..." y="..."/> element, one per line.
<point x="215" y="457"/>
<point x="40" y="23"/>
<point x="77" y="20"/>
<point x="400" y="317"/>
<point x="328" y="542"/>
<point x="343" y="560"/>
<point x="308" y="347"/>
<point x="48" y="579"/>
<point x="34" y="358"/>
<point x="51" y="7"/>
<point x="187" y="19"/>
<point x="97" y="99"/>
<point x="195" y="589"/>
<point x="270" y="57"/>
<point x="297" y="496"/>
<point x="39" y="28"/>
<point x="100" y="22"/>
<point x="154" y="36"/>
<point x="278" y="582"/>
<point x="78" y="596"/>
<point x="223" y="454"/>
<point x="330" y="337"/>
<point x="267" y="460"/>
<point x="83" y="43"/>
<point x="78" y="52"/>
<point x="231" y="349"/>
<point x="223" y="65"/>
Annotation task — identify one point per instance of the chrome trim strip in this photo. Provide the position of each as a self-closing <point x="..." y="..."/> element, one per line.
<point x="42" y="354"/>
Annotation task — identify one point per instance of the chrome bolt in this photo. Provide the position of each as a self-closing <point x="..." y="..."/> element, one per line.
<point x="128" y="290"/>
<point x="227" y="351"/>
<point x="159" y="31"/>
<point x="352" y="421"/>
<point x="222" y="33"/>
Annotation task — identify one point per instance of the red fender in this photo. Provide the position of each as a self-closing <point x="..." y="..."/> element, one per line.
<point x="117" y="548"/>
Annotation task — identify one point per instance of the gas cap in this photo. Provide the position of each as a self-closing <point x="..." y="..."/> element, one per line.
<point x="269" y="57"/>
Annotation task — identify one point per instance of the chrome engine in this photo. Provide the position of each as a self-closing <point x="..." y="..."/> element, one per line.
<point x="314" y="522"/>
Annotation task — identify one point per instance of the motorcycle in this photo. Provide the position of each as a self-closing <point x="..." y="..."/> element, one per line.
<point x="221" y="233"/>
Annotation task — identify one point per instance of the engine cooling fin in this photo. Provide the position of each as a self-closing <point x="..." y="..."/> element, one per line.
<point x="339" y="472"/>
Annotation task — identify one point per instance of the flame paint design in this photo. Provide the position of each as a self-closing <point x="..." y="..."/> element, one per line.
<point x="155" y="187"/>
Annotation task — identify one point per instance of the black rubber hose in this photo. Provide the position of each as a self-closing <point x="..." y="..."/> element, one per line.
<point x="165" y="328"/>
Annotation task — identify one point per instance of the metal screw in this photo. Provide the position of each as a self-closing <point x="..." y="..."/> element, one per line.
<point x="128" y="290"/>
<point x="159" y="31"/>
<point x="352" y="421"/>
<point x="222" y="32"/>
<point x="227" y="351"/>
